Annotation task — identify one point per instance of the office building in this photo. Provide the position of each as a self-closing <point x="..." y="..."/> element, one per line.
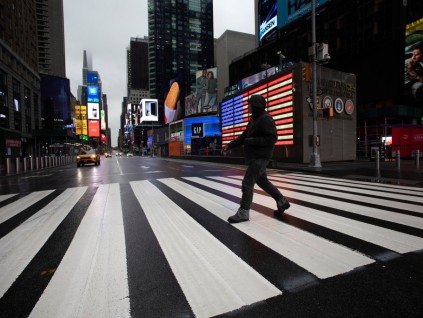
<point x="180" y="43"/>
<point x="137" y="64"/>
<point x="51" y="37"/>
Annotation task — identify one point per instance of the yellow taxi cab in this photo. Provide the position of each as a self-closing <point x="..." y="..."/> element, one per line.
<point x="87" y="156"/>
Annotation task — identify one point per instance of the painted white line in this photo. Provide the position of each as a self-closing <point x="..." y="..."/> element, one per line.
<point x="18" y="206"/>
<point x="213" y="279"/>
<point x="313" y="253"/>
<point x="19" y="246"/>
<point x="366" y="183"/>
<point x="351" y="190"/>
<point x="381" y="214"/>
<point x="92" y="279"/>
<point x="6" y="196"/>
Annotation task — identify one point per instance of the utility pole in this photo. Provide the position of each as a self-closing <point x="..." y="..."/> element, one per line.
<point x="315" y="157"/>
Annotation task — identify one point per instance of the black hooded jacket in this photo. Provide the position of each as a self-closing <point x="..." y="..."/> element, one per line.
<point x="260" y="135"/>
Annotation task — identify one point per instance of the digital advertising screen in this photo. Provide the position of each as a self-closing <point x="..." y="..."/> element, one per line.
<point x="413" y="76"/>
<point x="103" y="120"/>
<point x="172" y="104"/>
<point x="93" y="94"/>
<point x="289" y="11"/>
<point x="149" y="109"/>
<point x="93" y="111"/>
<point x="92" y="77"/>
<point x="93" y="128"/>
<point x="268" y="20"/>
<point x="204" y="99"/>
<point x="279" y="97"/>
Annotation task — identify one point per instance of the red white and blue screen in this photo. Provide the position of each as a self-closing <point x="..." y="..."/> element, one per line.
<point x="279" y="96"/>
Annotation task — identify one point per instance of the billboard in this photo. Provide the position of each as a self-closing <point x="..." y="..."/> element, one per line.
<point x="103" y="120"/>
<point x="93" y="128"/>
<point x="279" y="96"/>
<point x="78" y="120"/>
<point x="291" y="10"/>
<point x="93" y="111"/>
<point x="172" y="103"/>
<point x="92" y="77"/>
<point x="148" y="110"/>
<point x="93" y="95"/>
<point x="267" y="20"/>
<point x="204" y="99"/>
<point x="413" y="76"/>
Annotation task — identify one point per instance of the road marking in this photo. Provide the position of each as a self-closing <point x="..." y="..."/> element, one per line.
<point x="6" y="196"/>
<point x="213" y="279"/>
<point x="18" y="206"/>
<point x="20" y="246"/>
<point x="313" y="253"/>
<point x="92" y="279"/>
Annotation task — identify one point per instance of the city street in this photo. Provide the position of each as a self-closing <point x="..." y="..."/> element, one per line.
<point x="148" y="237"/>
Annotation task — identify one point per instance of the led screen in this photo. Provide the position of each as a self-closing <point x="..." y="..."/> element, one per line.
<point x="93" y="111"/>
<point x="93" y="94"/>
<point x="267" y="14"/>
<point x="93" y="128"/>
<point x="291" y="10"/>
<point x="149" y="109"/>
<point x="413" y="77"/>
<point x="92" y="77"/>
<point x="279" y="96"/>
<point x="203" y="100"/>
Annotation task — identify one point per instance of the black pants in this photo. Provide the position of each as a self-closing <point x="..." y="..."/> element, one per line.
<point x="256" y="173"/>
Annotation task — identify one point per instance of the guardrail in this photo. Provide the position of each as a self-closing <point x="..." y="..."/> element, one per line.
<point x="22" y="165"/>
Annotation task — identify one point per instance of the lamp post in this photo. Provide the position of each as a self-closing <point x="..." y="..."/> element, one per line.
<point x="315" y="157"/>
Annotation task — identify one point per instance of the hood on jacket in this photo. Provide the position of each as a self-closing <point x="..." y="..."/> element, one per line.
<point x="258" y="105"/>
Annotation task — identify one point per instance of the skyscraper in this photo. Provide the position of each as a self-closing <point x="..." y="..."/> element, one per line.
<point x="137" y="72"/>
<point x="180" y="43"/>
<point x="51" y="37"/>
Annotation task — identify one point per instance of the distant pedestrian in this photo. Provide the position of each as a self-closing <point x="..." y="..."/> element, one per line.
<point x="258" y="140"/>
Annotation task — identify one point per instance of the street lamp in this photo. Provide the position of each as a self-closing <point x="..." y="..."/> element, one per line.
<point x="315" y="157"/>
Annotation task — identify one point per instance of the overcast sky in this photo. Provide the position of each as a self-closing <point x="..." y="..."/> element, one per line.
<point x="104" y="29"/>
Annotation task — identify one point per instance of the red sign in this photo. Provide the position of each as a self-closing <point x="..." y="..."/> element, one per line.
<point x="12" y="143"/>
<point x="93" y="128"/>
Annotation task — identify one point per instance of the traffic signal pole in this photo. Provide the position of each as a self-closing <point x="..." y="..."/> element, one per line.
<point x="315" y="157"/>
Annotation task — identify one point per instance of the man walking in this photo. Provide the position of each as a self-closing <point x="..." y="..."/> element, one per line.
<point x="258" y="140"/>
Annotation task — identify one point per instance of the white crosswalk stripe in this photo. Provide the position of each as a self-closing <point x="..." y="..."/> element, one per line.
<point x="92" y="279"/>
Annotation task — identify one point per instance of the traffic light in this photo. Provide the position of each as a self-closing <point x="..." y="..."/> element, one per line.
<point x="307" y="73"/>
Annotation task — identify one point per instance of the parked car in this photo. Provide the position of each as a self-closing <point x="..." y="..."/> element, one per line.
<point x="129" y="155"/>
<point x="107" y="155"/>
<point x="87" y="156"/>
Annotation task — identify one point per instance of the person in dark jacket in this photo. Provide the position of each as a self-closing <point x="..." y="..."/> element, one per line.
<point x="258" y="140"/>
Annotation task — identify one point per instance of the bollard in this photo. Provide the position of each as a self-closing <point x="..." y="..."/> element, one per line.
<point x="25" y="164"/>
<point x="417" y="158"/>
<point x="18" y="165"/>
<point x="8" y="166"/>
<point x="398" y="159"/>
<point x="377" y="159"/>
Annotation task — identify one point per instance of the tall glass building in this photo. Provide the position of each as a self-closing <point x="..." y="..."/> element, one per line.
<point x="180" y="43"/>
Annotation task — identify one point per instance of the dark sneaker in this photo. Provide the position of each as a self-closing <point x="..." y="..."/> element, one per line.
<point x="282" y="205"/>
<point x="240" y="216"/>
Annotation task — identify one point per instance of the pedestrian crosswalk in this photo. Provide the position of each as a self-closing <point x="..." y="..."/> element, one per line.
<point x="333" y="227"/>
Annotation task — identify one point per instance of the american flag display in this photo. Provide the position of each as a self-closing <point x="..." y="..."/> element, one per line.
<point x="279" y="96"/>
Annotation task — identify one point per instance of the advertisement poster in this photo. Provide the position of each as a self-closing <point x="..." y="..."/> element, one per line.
<point x="149" y="109"/>
<point x="93" y="128"/>
<point x="289" y="11"/>
<point x="93" y="94"/>
<point x="172" y="103"/>
<point x="94" y="111"/>
<point x="204" y="99"/>
<point x="267" y="14"/>
<point x="413" y="77"/>
<point x="84" y="120"/>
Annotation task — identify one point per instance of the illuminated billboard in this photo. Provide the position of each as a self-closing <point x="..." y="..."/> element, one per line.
<point x="92" y="77"/>
<point x="291" y="10"/>
<point x="93" y="111"/>
<point x="93" y="128"/>
<point x="413" y="77"/>
<point x="204" y="99"/>
<point x="267" y="15"/>
<point x="279" y="96"/>
<point x="149" y="110"/>
<point x="93" y="95"/>
<point x="103" y="120"/>
<point x="172" y="103"/>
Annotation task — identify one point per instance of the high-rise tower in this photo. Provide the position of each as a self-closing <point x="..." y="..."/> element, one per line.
<point x="180" y="43"/>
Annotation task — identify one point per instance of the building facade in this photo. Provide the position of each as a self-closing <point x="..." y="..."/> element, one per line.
<point x="180" y="43"/>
